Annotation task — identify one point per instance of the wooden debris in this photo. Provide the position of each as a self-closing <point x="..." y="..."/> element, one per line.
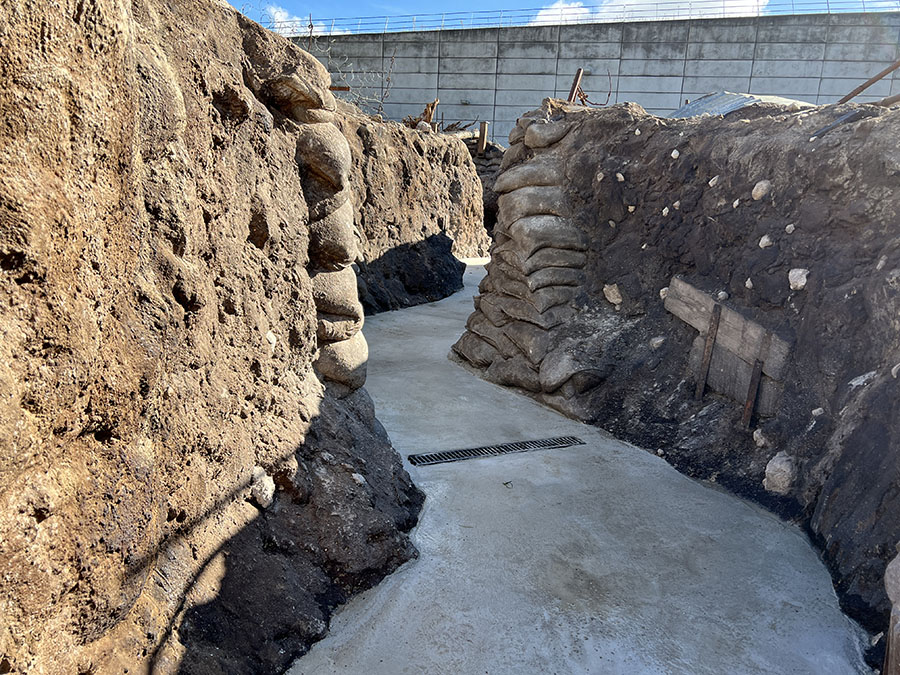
<point x="576" y="85"/>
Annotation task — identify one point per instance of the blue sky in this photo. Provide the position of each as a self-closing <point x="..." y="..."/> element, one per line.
<point x="293" y="14"/>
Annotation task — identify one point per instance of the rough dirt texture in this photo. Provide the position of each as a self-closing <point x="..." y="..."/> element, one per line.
<point x="488" y="167"/>
<point x="595" y="221"/>
<point x="420" y="205"/>
<point x="193" y="477"/>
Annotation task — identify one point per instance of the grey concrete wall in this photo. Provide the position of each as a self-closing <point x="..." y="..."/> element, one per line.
<point x="496" y="74"/>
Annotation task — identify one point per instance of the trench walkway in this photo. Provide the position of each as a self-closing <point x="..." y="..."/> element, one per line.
<point x="599" y="558"/>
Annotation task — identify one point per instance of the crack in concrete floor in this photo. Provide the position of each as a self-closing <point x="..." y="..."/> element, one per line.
<point x="594" y="559"/>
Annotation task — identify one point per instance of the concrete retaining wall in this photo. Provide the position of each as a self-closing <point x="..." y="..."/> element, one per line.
<point x="496" y="74"/>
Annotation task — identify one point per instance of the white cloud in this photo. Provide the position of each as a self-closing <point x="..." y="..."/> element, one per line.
<point x="562" y="12"/>
<point x="284" y="23"/>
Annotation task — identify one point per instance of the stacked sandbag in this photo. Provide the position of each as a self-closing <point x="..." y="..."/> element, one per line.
<point x="537" y="261"/>
<point x="343" y="352"/>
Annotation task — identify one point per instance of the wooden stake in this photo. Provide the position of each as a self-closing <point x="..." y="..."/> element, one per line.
<point x="576" y="83"/>
<point x="482" y="138"/>
<point x="892" y="651"/>
<point x="872" y="80"/>
<point x="755" y="378"/>
<point x="708" y="350"/>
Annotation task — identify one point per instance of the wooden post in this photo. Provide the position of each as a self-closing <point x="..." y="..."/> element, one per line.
<point x="892" y="651"/>
<point x="482" y="138"/>
<point x="872" y="80"/>
<point x="711" y="333"/>
<point x="576" y="85"/>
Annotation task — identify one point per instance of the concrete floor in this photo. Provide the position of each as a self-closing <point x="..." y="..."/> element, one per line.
<point x="594" y="559"/>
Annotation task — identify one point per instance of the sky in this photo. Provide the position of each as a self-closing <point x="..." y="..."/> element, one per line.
<point x="292" y="16"/>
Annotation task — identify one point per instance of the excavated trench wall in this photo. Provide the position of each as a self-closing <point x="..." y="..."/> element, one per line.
<point x="601" y="208"/>
<point x="193" y="475"/>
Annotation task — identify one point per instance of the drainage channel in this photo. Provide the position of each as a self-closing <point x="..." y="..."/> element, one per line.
<point x="493" y="450"/>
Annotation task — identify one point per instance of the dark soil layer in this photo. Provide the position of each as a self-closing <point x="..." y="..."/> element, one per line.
<point x="643" y="199"/>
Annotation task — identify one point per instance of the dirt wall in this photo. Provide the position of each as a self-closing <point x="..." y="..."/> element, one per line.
<point x="600" y="209"/>
<point x="193" y="474"/>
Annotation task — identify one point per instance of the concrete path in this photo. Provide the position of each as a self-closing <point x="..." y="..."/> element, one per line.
<point x="594" y="559"/>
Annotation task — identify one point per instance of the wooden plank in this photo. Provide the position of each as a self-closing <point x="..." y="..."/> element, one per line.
<point x="730" y="376"/>
<point x="707" y="350"/>
<point x="736" y="333"/>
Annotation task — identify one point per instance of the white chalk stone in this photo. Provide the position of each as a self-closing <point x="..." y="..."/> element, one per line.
<point x="612" y="293"/>
<point x="657" y="342"/>
<point x="760" y="439"/>
<point x="818" y="412"/>
<point x="761" y="189"/>
<point x="612" y="223"/>
<point x="665" y="210"/>
<point x="663" y="292"/>
<point x="637" y="132"/>
<point x="270" y="337"/>
<point x="262" y="488"/>
<point x="882" y="261"/>
<point x="600" y="176"/>
<point x="780" y="474"/>
<point x="765" y="241"/>
<point x="735" y="203"/>
<point x="789" y="228"/>
<point x="863" y="379"/>
<point x="797" y="278"/>
<point x="722" y="296"/>
<point x="713" y="181"/>
<point x="676" y="205"/>
<point x="748" y="284"/>
<point x="631" y="209"/>
<point x="620" y="178"/>
<point x="675" y="154"/>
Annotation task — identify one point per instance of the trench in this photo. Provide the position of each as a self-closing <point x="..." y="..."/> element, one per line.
<point x="599" y="558"/>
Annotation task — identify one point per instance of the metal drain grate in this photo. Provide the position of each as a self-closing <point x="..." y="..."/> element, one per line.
<point x="491" y="450"/>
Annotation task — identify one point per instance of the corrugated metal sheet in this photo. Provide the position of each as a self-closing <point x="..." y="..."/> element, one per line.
<point x="724" y="102"/>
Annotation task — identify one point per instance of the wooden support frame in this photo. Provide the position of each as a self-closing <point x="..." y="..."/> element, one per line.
<point x="733" y="354"/>
<point x="711" y="333"/>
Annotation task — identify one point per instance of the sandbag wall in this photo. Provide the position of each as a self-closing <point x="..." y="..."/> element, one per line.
<point x="786" y="218"/>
